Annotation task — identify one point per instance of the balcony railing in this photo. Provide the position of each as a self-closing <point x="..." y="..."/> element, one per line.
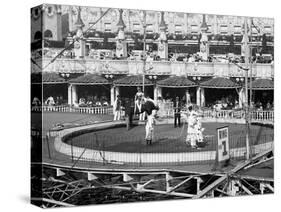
<point x="155" y="67"/>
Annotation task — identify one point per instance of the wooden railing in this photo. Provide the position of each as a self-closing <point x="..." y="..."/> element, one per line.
<point x="108" y="110"/>
<point x="166" y="111"/>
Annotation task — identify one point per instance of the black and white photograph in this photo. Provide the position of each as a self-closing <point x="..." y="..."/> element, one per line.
<point x="131" y="105"/>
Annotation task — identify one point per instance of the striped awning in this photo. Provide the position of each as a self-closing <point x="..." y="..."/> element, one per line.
<point x="46" y="78"/>
<point x="132" y="81"/>
<point x="219" y="82"/>
<point x="262" y="84"/>
<point x="176" y="82"/>
<point x="89" y="79"/>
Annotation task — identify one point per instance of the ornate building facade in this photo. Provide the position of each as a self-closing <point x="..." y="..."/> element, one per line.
<point x="83" y="27"/>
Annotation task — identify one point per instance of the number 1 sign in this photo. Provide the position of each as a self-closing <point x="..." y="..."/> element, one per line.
<point x="223" y="144"/>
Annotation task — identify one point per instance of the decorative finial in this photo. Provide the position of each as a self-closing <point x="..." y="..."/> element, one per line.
<point x="121" y="24"/>
<point x="162" y="24"/>
<point x="204" y="26"/>
<point x="79" y="23"/>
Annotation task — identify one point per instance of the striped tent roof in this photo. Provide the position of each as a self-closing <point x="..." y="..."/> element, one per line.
<point x="176" y="82"/>
<point x="219" y="82"/>
<point x="262" y="84"/>
<point x="89" y="79"/>
<point x="46" y="78"/>
<point x="132" y="81"/>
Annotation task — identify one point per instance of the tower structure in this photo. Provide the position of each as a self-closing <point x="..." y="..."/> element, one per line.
<point x="162" y="41"/>
<point x="121" y="45"/>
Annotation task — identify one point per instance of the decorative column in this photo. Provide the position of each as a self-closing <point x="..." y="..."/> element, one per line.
<point x="112" y="96"/>
<point x="155" y="92"/>
<point x="204" y="43"/>
<point x="69" y="94"/>
<point x="121" y="45"/>
<point x="187" y="96"/>
<point x="162" y="41"/>
<point x="242" y="97"/>
<point x="117" y="92"/>
<point x="72" y="94"/>
<point x="198" y="96"/>
<point x="159" y="94"/>
<point x="202" y="97"/>
<point x="79" y="44"/>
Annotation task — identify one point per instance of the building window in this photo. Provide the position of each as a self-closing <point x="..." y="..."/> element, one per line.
<point x="136" y="25"/>
<point x="194" y="29"/>
<point x="209" y="31"/>
<point x="237" y="29"/>
<point x="223" y="28"/>
<point x="267" y="30"/>
<point x="38" y="35"/>
<point x="50" y="10"/>
<point x="36" y="12"/>
<point x="48" y="34"/>
<point x="107" y="26"/>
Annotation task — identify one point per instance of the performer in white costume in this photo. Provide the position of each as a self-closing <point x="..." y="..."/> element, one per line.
<point x="194" y="129"/>
<point x="151" y="109"/>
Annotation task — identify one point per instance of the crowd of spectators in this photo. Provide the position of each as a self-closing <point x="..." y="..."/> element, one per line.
<point x="92" y="101"/>
<point x="152" y="56"/>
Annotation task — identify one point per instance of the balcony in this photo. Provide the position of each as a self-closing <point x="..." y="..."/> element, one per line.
<point x="133" y="67"/>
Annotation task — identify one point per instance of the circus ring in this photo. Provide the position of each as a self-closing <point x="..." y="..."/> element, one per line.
<point x="111" y="143"/>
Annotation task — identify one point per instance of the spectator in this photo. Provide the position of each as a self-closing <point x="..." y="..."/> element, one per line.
<point x="50" y="101"/>
<point x="36" y="101"/>
<point x="177" y="112"/>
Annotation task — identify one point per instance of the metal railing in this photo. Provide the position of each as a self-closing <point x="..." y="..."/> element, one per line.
<point x="105" y="149"/>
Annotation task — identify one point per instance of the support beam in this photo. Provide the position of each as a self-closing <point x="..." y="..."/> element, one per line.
<point x="180" y="184"/>
<point x="59" y="172"/>
<point x="51" y="201"/>
<point x="126" y="177"/>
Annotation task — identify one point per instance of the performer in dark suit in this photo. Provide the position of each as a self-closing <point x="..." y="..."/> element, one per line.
<point x="129" y="112"/>
<point x="177" y="112"/>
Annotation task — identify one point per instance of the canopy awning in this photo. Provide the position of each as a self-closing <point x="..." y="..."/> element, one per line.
<point x="89" y="79"/>
<point x="219" y="82"/>
<point x="46" y="78"/>
<point x="262" y="84"/>
<point x="176" y="82"/>
<point x="132" y="81"/>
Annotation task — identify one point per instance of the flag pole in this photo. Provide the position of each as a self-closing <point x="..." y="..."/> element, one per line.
<point x="247" y="58"/>
<point x="144" y="49"/>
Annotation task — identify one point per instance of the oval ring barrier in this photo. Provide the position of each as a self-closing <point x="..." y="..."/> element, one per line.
<point x="85" y="154"/>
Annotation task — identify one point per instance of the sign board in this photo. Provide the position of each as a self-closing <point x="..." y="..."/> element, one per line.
<point x="223" y="144"/>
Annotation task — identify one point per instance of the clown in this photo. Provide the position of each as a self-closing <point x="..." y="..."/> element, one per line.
<point x="194" y="130"/>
